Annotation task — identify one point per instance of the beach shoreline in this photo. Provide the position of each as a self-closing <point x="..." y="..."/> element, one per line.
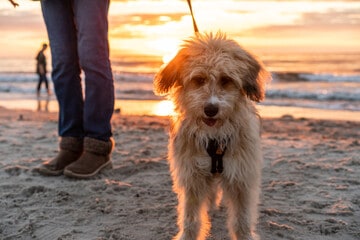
<point x="164" y="108"/>
<point x="310" y="186"/>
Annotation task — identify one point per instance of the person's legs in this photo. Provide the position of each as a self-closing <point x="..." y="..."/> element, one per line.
<point x="62" y="32"/>
<point x="46" y="82"/>
<point x="42" y="78"/>
<point x="59" y="19"/>
<point x="38" y="88"/>
<point x="93" y="49"/>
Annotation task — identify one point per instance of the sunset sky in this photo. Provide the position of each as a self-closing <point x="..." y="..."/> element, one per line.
<point x="146" y="27"/>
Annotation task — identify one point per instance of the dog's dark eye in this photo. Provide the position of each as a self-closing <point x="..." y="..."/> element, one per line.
<point x="225" y="80"/>
<point x="198" y="80"/>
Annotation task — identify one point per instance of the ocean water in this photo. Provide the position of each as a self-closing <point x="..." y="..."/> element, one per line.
<point x="308" y="80"/>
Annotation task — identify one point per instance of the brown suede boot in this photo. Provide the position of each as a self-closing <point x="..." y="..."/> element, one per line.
<point x="96" y="156"/>
<point x="71" y="149"/>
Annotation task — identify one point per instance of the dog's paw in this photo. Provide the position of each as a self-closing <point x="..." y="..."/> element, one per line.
<point x="184" y="236"/>
<point x="254" y="236"/>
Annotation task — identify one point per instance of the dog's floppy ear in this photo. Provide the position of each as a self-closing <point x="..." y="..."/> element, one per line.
<point x="255" y="76"/>
<point x="170" y="74"/>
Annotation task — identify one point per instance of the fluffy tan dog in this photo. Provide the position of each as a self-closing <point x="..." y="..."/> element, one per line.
<point x="215" y="136"/>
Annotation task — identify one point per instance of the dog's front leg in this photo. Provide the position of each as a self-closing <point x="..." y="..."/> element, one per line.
<point x="242" y="207"/>
<point x="193" y="217"/>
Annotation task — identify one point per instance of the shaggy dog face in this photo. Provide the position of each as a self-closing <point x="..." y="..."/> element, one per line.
<point x="213" y="83"/>
<point x="208" y="80"/>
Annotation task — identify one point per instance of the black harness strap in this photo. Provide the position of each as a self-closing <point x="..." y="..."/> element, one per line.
<point x="216" y="152"/>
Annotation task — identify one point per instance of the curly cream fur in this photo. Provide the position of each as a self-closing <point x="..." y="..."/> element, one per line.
<point x="212" y="69"/>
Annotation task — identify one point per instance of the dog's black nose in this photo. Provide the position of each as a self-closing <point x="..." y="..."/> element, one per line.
<point x="211" y="110"/>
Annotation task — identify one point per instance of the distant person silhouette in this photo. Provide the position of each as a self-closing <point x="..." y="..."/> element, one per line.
<point x="41" y="69"/>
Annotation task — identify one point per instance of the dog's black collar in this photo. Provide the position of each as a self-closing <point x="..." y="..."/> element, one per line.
<point x="216" y="151"/>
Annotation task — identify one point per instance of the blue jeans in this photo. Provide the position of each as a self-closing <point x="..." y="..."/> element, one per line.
<point x="78" y="35"/>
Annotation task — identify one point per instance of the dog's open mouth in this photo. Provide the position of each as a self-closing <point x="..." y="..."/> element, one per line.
<point x="209" y="121"/>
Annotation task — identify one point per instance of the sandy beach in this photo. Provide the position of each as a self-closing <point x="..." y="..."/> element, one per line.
<point x="310" y="185"/>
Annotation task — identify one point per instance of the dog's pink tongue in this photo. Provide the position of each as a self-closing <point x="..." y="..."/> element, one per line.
<point x="209" y="121"/>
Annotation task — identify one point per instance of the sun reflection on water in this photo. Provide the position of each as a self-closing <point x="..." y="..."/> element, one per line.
<point x="164" y="108"/>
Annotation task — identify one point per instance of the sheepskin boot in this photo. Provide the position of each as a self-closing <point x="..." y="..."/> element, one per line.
<point x="96" y="156"/>
<point x="71" y="149"/>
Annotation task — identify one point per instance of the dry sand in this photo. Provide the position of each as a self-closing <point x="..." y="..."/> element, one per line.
<point x="310" y="187"/>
